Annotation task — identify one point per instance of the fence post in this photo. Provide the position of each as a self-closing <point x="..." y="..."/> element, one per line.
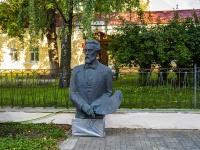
<point x="195" y="85"/>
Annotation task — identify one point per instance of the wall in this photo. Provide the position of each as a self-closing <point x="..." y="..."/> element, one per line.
<point x="24" y="54"/>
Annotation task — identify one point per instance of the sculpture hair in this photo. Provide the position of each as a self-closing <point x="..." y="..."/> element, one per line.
<point x="95" y="43"/>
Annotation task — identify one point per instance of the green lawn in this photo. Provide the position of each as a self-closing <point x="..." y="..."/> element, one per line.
<point x="48" y="96"/>
<point x="17" y="136"/>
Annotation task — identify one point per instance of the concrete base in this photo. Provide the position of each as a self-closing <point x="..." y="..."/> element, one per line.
<point x="149" y="119"/>
<point x="88" y="127"/>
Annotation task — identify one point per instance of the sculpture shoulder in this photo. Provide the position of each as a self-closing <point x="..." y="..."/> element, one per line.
<point x="104" y="68"/>
<point x="78" y="68"/>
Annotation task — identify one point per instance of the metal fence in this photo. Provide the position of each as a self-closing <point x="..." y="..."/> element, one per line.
<point x="33" y="88"/>
<point x="141" y="88"/>
<point x="160" y="88"/>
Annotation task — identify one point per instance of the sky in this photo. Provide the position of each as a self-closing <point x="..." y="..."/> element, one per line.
<point x="157" y="5"/>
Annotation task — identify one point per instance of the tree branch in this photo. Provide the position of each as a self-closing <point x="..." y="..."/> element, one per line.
<point x="60" y="11"/>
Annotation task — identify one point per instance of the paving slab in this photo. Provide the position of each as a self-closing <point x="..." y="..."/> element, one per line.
<point x="139" y="139"/>
<point x="68" y="144"/>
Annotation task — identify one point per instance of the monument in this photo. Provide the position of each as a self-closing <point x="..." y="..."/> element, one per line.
<point x="91" y="92"/>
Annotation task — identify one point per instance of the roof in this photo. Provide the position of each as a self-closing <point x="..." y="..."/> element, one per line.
<point x="150" y="17"/>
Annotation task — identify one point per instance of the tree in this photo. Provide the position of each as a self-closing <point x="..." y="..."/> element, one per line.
<point x="9" y="11"/>
<point x="85" y="12"/>
<point x="40" y="15"/>
<point x="134" y="45"/>
<point x="193" y="43"/>
<point x="175" y="37"/>
<point x="139" y="45"/>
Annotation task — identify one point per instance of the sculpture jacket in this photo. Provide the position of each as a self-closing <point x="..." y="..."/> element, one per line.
<point x="82" y="91"/>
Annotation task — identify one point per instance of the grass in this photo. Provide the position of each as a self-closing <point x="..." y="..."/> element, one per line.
<point x="35" y="96"/>
<point x="143" y="91"/>
<point x="139" y="91"/>
<point x="18" y="136"/>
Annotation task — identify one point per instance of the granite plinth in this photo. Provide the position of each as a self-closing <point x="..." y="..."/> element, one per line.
<point x="88" y="127"/>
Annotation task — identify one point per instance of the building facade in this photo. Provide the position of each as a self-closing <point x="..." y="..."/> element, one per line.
<point x="17" y="55"/>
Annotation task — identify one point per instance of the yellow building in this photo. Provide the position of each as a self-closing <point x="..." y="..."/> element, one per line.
<point x="17" y="55"/>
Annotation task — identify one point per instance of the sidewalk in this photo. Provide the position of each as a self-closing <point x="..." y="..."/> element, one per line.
<point x="136" y="139"/>
<point x="122" y="118"/>
<point x="125" y="129"/>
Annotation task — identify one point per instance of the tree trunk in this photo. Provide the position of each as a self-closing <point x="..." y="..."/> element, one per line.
<point x="65" y="65"/>
<point x="52" y="44"/>
<point x="53" y="53"/>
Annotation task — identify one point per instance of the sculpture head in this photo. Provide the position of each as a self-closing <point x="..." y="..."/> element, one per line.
<point x="92" y="49"/>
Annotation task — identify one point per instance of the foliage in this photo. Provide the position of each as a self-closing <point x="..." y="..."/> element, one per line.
<point x="176" y="37"/>
<point x="141" y="45"/>
<point x="9" y="12"/>
<point x="125" y="50"/>
<point x="31" y="136"/>
<point x="37" y="14"/>
<point x="94" y="8"/>
<point x="193" y="43"/>
<point x="172" y="76"/>
<point x="41" y="17"/>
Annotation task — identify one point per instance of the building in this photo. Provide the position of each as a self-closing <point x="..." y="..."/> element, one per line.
<point x="15" y="55"/>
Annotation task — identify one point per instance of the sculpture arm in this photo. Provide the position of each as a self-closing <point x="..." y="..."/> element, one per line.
<point x="109" y="86"/>
<point x="107" y="92"/>
<point x="108" y="102"/>
<point x="75" y="97"/>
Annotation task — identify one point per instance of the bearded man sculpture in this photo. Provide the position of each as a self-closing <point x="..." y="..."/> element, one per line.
<point x="91" y="90"/>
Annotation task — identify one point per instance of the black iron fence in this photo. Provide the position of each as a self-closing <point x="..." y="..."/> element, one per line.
<point x="141" y="88"/>
<point x="160" y="88"/>
<point x="34" y="88"/>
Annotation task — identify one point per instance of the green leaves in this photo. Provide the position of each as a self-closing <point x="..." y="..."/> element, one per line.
<point x="160" y="43"/>
<point x="93" y="8"/>
<point x="9" y="11"/>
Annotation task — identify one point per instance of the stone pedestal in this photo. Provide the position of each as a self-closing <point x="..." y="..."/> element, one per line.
<point x="88" y="127"/>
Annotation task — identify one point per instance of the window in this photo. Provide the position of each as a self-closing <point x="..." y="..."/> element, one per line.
<point x="13" y="54"/>
<point x="34" y="56"/>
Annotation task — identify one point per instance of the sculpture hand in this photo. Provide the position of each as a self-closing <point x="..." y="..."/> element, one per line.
<point x="96" y="108"/>
<point x="92" y="113"/>
<point x="88" y="110"/>
<point x="94" y="105"/>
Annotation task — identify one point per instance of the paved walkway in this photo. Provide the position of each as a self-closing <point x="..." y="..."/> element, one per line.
<point x="136" y="139"/>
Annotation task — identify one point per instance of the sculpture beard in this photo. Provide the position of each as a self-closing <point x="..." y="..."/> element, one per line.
<point x="88" y="60"/>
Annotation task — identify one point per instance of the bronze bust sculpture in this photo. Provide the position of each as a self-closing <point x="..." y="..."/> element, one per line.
<point x="91" y="89"/>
